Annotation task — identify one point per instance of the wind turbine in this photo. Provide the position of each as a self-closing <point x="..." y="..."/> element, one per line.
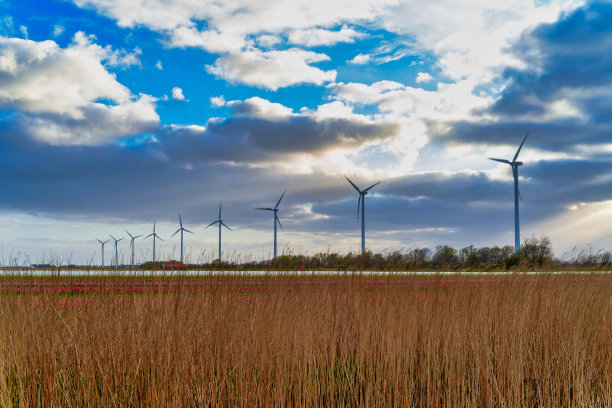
<point x="181" y="231"/>
<point x="515" y="165"/>
<point x="132" y="238"/>
<point x="221" y="223"/>
<point x="102" y="242"/>
<point x="275" y="209"/>
<point x="155" y="236"/>
<point x="116" y="253"/>
<point x="361" y="202"/>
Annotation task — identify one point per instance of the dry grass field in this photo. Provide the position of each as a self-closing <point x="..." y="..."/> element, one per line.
<point x="307" y="341"/>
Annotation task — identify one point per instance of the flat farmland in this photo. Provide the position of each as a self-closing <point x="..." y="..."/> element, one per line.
<point x="307" y="340"/>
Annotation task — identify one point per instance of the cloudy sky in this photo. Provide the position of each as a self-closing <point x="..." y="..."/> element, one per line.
<point x="117" y="113"/>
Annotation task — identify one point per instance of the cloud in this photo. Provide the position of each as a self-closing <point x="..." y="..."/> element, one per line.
<point x="263" y="133"/>
<point x="177" y="94"/>
<point x="360" y="59"/>
<point x="423" y="77"/>
<point x="561" y="95"/>
<point x="272" y="69"/>
<point x="230" y="29"/>
<point x="313" y="37"/>
<point x="58" y="92"/>
<point x="58" y="30"/>
<point x="470" y="39"/>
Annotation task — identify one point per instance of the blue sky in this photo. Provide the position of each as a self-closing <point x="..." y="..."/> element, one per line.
<point x="114" y="114"/>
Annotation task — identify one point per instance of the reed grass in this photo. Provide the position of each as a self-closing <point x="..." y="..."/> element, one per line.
<point x="308" y="341"/>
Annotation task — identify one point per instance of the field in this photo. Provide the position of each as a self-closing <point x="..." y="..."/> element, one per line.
<point x="511" y="340"/>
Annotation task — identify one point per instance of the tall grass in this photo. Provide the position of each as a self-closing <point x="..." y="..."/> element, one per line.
<point x="308" y="341"/>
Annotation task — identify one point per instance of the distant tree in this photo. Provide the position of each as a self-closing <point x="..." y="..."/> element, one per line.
<point x="445" y="256"/>
<point x="537" y="252"/>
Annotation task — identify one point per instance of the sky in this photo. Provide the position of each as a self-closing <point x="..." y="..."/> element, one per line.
<point x="115" y="114"/>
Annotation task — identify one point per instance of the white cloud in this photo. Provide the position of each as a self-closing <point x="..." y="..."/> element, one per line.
<point x="272" y="69"/>
<point x="470" y="38"/>
<point x="313" y="37"/>
<point x="177" y="93"/>
<point x="217" y="101"/>
<point x="24" y="31"/>
<point x="59" y="90"/>
<point x="423" y="77"/>
<point x="260" y="108"/>
<point x="360" y="59"/>
<point x="159" y="65"/>
<point x="58" y="30"/>
<point x="268" y="40"/>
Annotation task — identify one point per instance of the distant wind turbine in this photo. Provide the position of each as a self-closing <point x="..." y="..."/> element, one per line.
<point x="221" y="223"/>
<point x="102" y="242"/>
<point x="181" y="229"/>
<point x="361" y="202"/>
<point x="515" y="165"/>
<point x="132" y="238"/>
<point x="155" y="236"/>
<point x="116" y="253"/>
<point x="276" y="220"/>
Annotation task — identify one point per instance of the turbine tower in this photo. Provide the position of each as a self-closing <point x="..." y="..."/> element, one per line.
<point x="155" y="236"/>
<point x="221" y="223"/>
<point x="361" y="202"/>
<point x="116" y="253"/>
<point x="132" y="238"/>
<point x="181" y="229"/>
<point x="515" y="165"/>
<point x="275" y="209"/>
<point x="102" y="242"/>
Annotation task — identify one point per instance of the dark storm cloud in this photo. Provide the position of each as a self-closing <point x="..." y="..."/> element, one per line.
<point x="569" y="61"/>
<point x="254" y="139"/>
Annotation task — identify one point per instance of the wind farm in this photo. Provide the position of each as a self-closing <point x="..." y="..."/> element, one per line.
<point x="476" y="271"/>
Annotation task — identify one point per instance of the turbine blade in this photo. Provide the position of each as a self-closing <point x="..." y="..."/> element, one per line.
<point x="279" y="200"/>
<point x="372" y="186"/>
<point x="129" y="234"/>
<point x="158" y="237"/>
<point x="120" y="239"/>
<point x="220" y="204"/>
<point x="519" y="149"/>
<point x="176" y="232"/>
<point x="150" y="235"/>
<point x="279" y="223"/>
<point x="500" y="160"/>
<point x="211" y="224"/>
<point x="186" y="230"/>
<point x="353" y="184"/>
<point x="222" y="223"/>
<point x="180" y="220"/>
<point x="358" y="205"/>
<point x="266" y="209"/>
<point x="136" y="236"/>
<point x="112" y="237"/>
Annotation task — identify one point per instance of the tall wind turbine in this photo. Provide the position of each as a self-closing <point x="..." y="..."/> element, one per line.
<point x="155" y="236"/>
<point x="361" y="202"/>
<point x="275" y="209"/>
<point x="221" y="223"/>
<point x="515" y="165"/>
<point x="116" y="252"/>
<point x="132" y="238"/>
<point x="181" y="229"/>
<point x="102" y="242"/>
